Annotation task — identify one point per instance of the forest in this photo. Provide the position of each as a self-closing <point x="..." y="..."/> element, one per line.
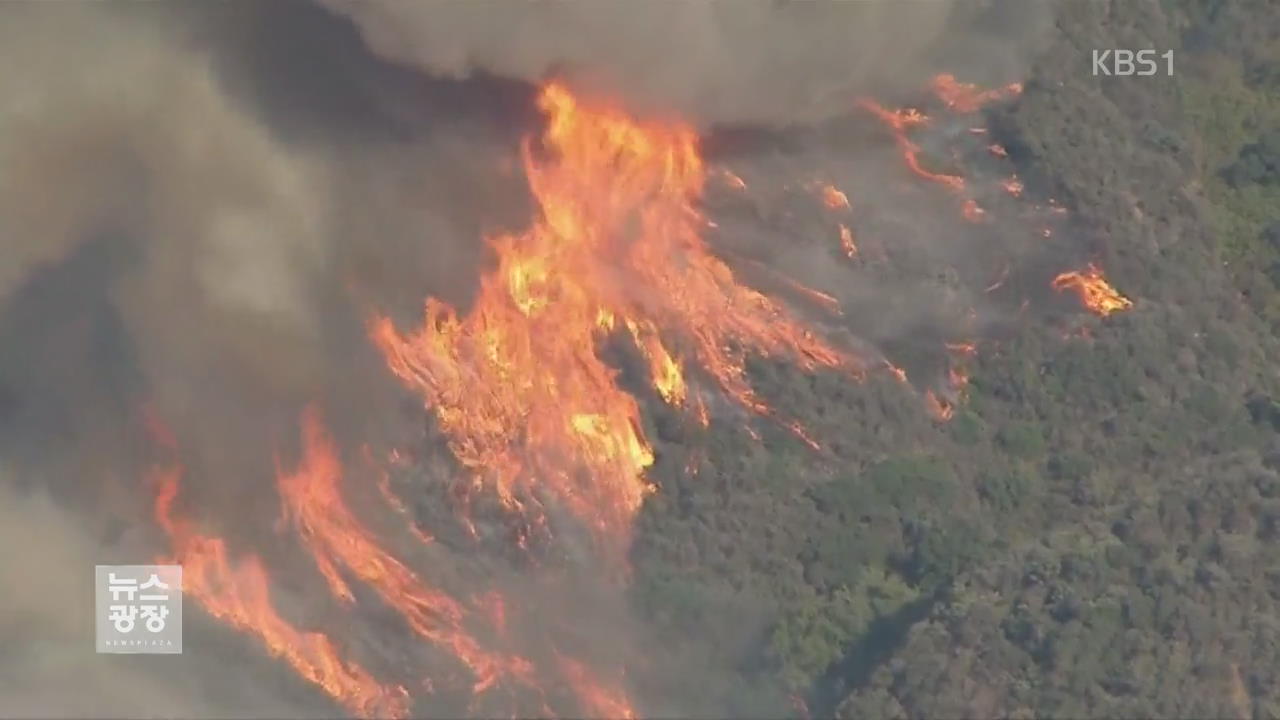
<point x="1091" y="534"/>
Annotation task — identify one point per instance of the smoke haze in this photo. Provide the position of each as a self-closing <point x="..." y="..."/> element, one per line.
<point x="200" y="206"/>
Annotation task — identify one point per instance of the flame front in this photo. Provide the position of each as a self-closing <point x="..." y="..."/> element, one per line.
<point x="532" y="409"/>
<point x="1093" y="290"/>
<point x="335" y="537"/>
<point x="519" y="384"/>
<point x="238" y="595"/>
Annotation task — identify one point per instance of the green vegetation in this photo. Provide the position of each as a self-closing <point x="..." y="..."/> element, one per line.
<point x="1091" y="534"/>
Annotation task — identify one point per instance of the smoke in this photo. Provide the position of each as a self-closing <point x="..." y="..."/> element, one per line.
<point x="47" y="610"/>
<point x="739" y="62"/>
<point x="199" y="206"/>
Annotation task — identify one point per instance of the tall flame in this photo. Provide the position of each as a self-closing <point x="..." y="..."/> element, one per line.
<point x="519" y="384"/>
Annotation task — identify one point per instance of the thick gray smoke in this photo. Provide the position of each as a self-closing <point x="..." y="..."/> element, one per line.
<point x="733" y="62"/>
<point x="201" y="204"/>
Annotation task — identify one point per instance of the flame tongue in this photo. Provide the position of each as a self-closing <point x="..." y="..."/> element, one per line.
<point x="238" y="595"/>
<point x="335" y="537"/>
<point x="519" y="384"/>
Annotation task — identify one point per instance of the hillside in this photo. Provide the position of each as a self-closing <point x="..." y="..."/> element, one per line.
<point x="1091" y="533"/>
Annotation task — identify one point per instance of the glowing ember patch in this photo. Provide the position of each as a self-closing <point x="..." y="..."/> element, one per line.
<point x="833" y="198"/>
<point x="732" y="180"/>
<point x="1012" y="185"/>
<point x="238" y="594"/>
<point x="596" y="699"/>
<point x="899" y="121"/>
<point x="941" y="409"/>
<point x="1093" y="290"/>
<point x="972" y="211"/>
<point x="846" y="242"/>
<point x="997" y="150"/>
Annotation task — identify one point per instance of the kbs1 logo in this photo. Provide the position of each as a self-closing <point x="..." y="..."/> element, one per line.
<point x="1126" y="63"/>
<point x="139" y="608"/>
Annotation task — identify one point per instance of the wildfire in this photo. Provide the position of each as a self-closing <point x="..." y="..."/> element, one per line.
<point x="334" y="537"/>
<point x="1093" y="290"/>
<point x="519" y="384"/>
<point x="972" y="211"/>
<point x="846" y="242"/>
<point x="940" y="408"/>
<point x="999" y="281"/>
<point x="833" y="197"/>
<point x="238" y="595"/>
<point x="966" y="97"/>
<point x="897" y="372"/>
<point x="899" y="122"/>
<point x="393" y="501"/>
<point x="1012" y="185"/>
<point x="596" y="699"/>
<point x="532" y="409"/>
<point x="732" y="180"/>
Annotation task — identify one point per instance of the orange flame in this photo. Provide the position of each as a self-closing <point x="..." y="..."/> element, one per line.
<point x="834" y="198"/>
<point x="732" y="180"/>
<point x="1093" y="290"/>
<point x="897" y="372"/>
<point x="519" y="385"/>
<point x="899" y="121"/>
<point x="238" y="594"/>
<point x="972" y="211"/>
<point x="940" y="408"/>
<point x="596" y="699"/>
<point x="334" y="537"/>
<point x="966" y="97"/>
<point x="1012" y="185"/>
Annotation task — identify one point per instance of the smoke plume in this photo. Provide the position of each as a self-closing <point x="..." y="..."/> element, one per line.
<point x="741" y="62"/>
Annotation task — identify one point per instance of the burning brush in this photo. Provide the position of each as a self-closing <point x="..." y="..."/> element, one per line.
<point x="535" y="414"/>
